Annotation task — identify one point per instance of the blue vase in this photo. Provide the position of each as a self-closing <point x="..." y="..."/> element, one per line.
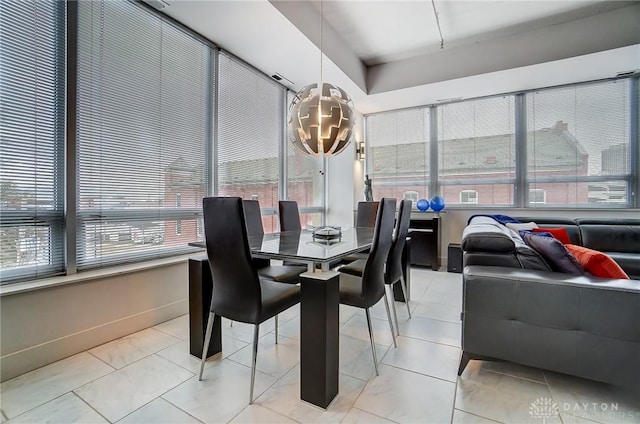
<point x="422" y="205"/>
<point x="437" y="203"/>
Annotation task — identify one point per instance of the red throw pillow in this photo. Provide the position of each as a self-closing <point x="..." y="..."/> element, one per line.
<point x="597" y="263"/>
<point x="559" y="233"/>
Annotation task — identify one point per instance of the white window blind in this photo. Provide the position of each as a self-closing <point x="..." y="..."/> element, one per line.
<point x="476" y="151"/>
<point x="578" y="144"/>
<point x="32" y="107"/>
<point x="143" y="87"/>
<point x="398" y="152"/>
<point x="250" y="133"/>
<point x="305" y="184"/>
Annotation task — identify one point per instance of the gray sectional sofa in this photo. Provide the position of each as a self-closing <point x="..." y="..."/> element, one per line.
<point x="515" y="308"/>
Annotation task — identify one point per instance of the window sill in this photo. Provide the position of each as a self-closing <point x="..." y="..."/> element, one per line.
<point x="62" y="280"/>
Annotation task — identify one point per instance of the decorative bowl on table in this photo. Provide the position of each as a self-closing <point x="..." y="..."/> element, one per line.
<point x="327" y="233"/>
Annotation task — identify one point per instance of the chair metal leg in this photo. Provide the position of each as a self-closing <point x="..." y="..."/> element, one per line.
<point x="276" y="318"/>
<point x="386" y="305"/>
<point x="393" y="305"/>
<point x="403" y="285"/>
<point x="207" y="340"/>
<point x="373" y="343"/>
<point x="253" y="360"/>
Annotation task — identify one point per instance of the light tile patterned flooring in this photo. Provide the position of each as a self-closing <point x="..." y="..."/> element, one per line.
<point x="149" y="377"/>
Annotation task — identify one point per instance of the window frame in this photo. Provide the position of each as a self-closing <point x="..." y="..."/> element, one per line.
<point x="467" y="192"/>
<point x="537" y="190"/>
<point x="76" y="230"/>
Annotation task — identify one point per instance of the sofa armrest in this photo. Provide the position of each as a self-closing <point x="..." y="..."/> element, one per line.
<point x="571" y="324"/>
<point x="487" y="237"/>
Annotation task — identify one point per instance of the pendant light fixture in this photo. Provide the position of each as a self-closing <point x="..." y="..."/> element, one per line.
<point x="321" y="116"/>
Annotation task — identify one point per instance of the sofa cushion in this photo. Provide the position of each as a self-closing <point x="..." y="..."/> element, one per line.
<point x="596" y="263"/>
<point x="615" y="235"/>
<point x="559" y="233"/>
<point x="554" y="252"/>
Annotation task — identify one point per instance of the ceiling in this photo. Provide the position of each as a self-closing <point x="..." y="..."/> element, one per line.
<point x="388" y="31"/>
<point x="386" y="54"/>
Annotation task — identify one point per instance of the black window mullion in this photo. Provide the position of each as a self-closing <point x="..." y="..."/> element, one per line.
<point x="521" y="187"/>
<point x="634" y="142"/>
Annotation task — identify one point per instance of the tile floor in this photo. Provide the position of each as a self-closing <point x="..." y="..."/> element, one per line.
<point x="149" y="377"/>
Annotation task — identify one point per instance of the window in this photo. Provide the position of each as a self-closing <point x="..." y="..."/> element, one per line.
<point x="537" y="196"/>
<point x="398" y="155"/>
<point x="410" y="195"/>
<point x="142" y="124"/>
<point x="32" y="118"/>
<point x="250" y="133"/>
<point x="476" y="151"/>
<point x="305" y="183"/>
<point x="468" y="197"/>
<point x="578" y="144"/>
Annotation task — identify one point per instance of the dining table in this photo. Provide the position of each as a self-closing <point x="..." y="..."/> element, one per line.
<point x="319" y="302"/>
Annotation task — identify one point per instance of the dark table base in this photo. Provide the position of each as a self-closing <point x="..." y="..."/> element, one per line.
<point x="319" y="328"/>
<point x="200" y="288"/>
<point x="319" y="337"/>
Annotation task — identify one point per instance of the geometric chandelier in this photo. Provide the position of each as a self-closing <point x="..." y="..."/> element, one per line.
<point x="321" y="122"/>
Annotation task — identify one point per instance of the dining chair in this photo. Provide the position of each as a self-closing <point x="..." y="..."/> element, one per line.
<point x="366" y="290"/>
<point x="239" y="294"/>
<point x="279" y="273"/>
<point x="394" y="267"/>
<point x="289" y="215"/>
<point x="366" y="214"/>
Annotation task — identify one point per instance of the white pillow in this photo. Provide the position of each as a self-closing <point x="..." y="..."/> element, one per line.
<point x="522" y="226"/>
<point x="515" y="234"/>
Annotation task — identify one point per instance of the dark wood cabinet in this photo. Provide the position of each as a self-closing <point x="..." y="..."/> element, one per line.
<point x="425" y="241"/>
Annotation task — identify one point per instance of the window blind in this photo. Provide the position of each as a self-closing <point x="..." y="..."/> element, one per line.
<point x="142" y="120"/>
<point x="32" y="107"/>
<point x="250" y="133"/>
<point x="398" y="153"/>
<point x="578" y="144"/>
<point x="476" y="151"/>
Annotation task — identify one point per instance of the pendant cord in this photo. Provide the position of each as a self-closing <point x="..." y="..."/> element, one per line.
<point x="320" y="140"/>
<point x="321" y="25"/>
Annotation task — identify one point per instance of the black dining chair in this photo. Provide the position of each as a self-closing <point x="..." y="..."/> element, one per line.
<point x="366" y="290"/>
<point x="239" y="294"/>
<point x="279" y="273"/>
<point x="394" y="268"/>
<point x="289" y="215"/>
<point x="366" y="214"/>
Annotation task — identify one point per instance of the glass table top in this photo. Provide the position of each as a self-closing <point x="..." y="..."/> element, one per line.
<point x="303" y="246"/>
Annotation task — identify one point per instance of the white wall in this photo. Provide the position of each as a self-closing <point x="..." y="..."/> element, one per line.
<point x="41" y="326"/>
<point x="343" y="176"/>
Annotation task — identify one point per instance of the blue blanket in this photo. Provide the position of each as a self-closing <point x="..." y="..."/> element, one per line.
<point x="502" y="219"/>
